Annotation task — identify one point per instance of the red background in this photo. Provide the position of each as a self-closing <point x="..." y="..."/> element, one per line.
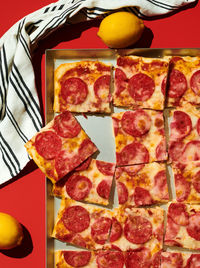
<point x="24" y="196"/>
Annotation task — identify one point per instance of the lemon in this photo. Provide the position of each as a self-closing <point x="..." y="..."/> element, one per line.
<point x="120" y="29"/>
<point x="11" y="233"/>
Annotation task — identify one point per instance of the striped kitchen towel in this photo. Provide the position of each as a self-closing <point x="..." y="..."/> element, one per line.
<point x="19" y="107"/>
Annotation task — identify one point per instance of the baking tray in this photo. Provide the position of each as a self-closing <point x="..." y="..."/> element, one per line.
<point x="94" y="125"/>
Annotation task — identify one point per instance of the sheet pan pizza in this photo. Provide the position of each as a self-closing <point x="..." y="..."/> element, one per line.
<point x="136" y="93"/>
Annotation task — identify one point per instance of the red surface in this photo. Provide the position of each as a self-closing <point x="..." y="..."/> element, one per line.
<point x="24" y="197"/>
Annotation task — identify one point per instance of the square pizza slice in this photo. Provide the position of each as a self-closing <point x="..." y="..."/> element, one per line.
<point x="179" y="260"/>
<point x="187" y="181"/>
<point x="184" y="138"/>
<point x="60" y="146"/>
<point x="183" y="83"/>
<point x="82" y="225"/>
<point x="90" y="182"/>
<point x="82" y="87"/>
<point x="183" y="226"/>
<point x="134" y="229"/>
<point x="140" y="82"/>
<point x="107" y="259"/>
<point x="139" y="137"/>
<point x="140" y="185"/>
<point x="72" y="258"/>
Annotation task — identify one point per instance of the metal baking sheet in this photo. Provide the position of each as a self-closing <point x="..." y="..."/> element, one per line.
<point x="98" y="127"/>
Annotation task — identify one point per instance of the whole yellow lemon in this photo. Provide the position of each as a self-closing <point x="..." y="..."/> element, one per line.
<point x="11" y="233"/>
<point x="120" y="29"/>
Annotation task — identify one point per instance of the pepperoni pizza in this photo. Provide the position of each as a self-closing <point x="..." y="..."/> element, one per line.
<point x="60" y="146"/>
<point x="183" y="226"/>
<point x="82" y="87"/>
<point x="141" y="258"/>
<point x="136" y="228"/>
<point x="139" y="137"/>
<point x="184" y="140"/>
<point x="140" y="185"/>
<point x="139" y="82"/>
<point x="180" y="260"/>
<point x="187" y="181"/>
<point x="184" y="77"/>
<point x="82" y="225"/>
<point x="91" y="182"/>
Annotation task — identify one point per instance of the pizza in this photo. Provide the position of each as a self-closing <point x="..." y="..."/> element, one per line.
<point x="187" y="181"/>
<point x="134" y="229"/>
<point x="183" y="226"/>
<point x="184" y="138"/>
<point x="90" y="182"/>
<point x="82" y="225"/>
<point x="107" y="259"/>
<point x="139" y="82"/>
<point x="82" y="87"/>
<point x="71" y="259"/>
<point x="139" y="137"/>
<point x="60" y="146"/>
<point x="143" y="184"/>
<point x="180" y="260"/>
<point x="183" y="86"/>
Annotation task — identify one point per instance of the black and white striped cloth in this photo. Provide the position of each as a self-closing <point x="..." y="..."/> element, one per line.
<point x="19" y="106"/>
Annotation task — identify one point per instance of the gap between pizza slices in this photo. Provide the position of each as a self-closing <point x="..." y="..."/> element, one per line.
<point x="63" y="151"/>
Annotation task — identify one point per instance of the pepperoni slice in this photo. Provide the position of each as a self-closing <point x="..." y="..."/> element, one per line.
<point x="193" y="261"/>
<point x="170" y="259"/>
<point x="137" y="230"/>
<point x="86" y="148"/>
<point x="160" y="185"/>
<point x="198" y="126"/>
<point x="181" y="125"/>
<point x="161" y="153"/>
<point x="193" y="228"/>
<point x="141" y="87"/>
<point x="74" y="90"/>
<point x="191" y="151"/>
<point x="136" y="123"/>
<point x="122" y="193"/>
<point x="196" y="181"/>
<point x="105" y="168"/>
<point x="116" y="230"/>
<point x="171" y="230"/>
<point x="78" y="187"/>
<point x="133" y="170"/>
<point x="101" y="88"/>
<point x="195" y="83"/>
<point x="110" y="259"/>
<point x="178" y="213"/>
<point x="138" y="259"/>
<point x="100" y="230"/>
<point x="66" y="125"/>
<point x="182" y="188"/>
<point x="177" y="84"/>
<point x="142" y="197"/>
<point x="75" y="239"/>
<point x="76" y="219"/>
<point x="77" y="258"/>
<point x="176" y="150"/>
<point x="156" y="261"/>
<point x="103" y="188"/>
<point x="133" y="153"/>
<point x="84" y="165"/>
<point x="163" y="85"/>
<point x="120" y="81"/>
<point x="48" y="144"/>
<point x="64" y="163"/>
